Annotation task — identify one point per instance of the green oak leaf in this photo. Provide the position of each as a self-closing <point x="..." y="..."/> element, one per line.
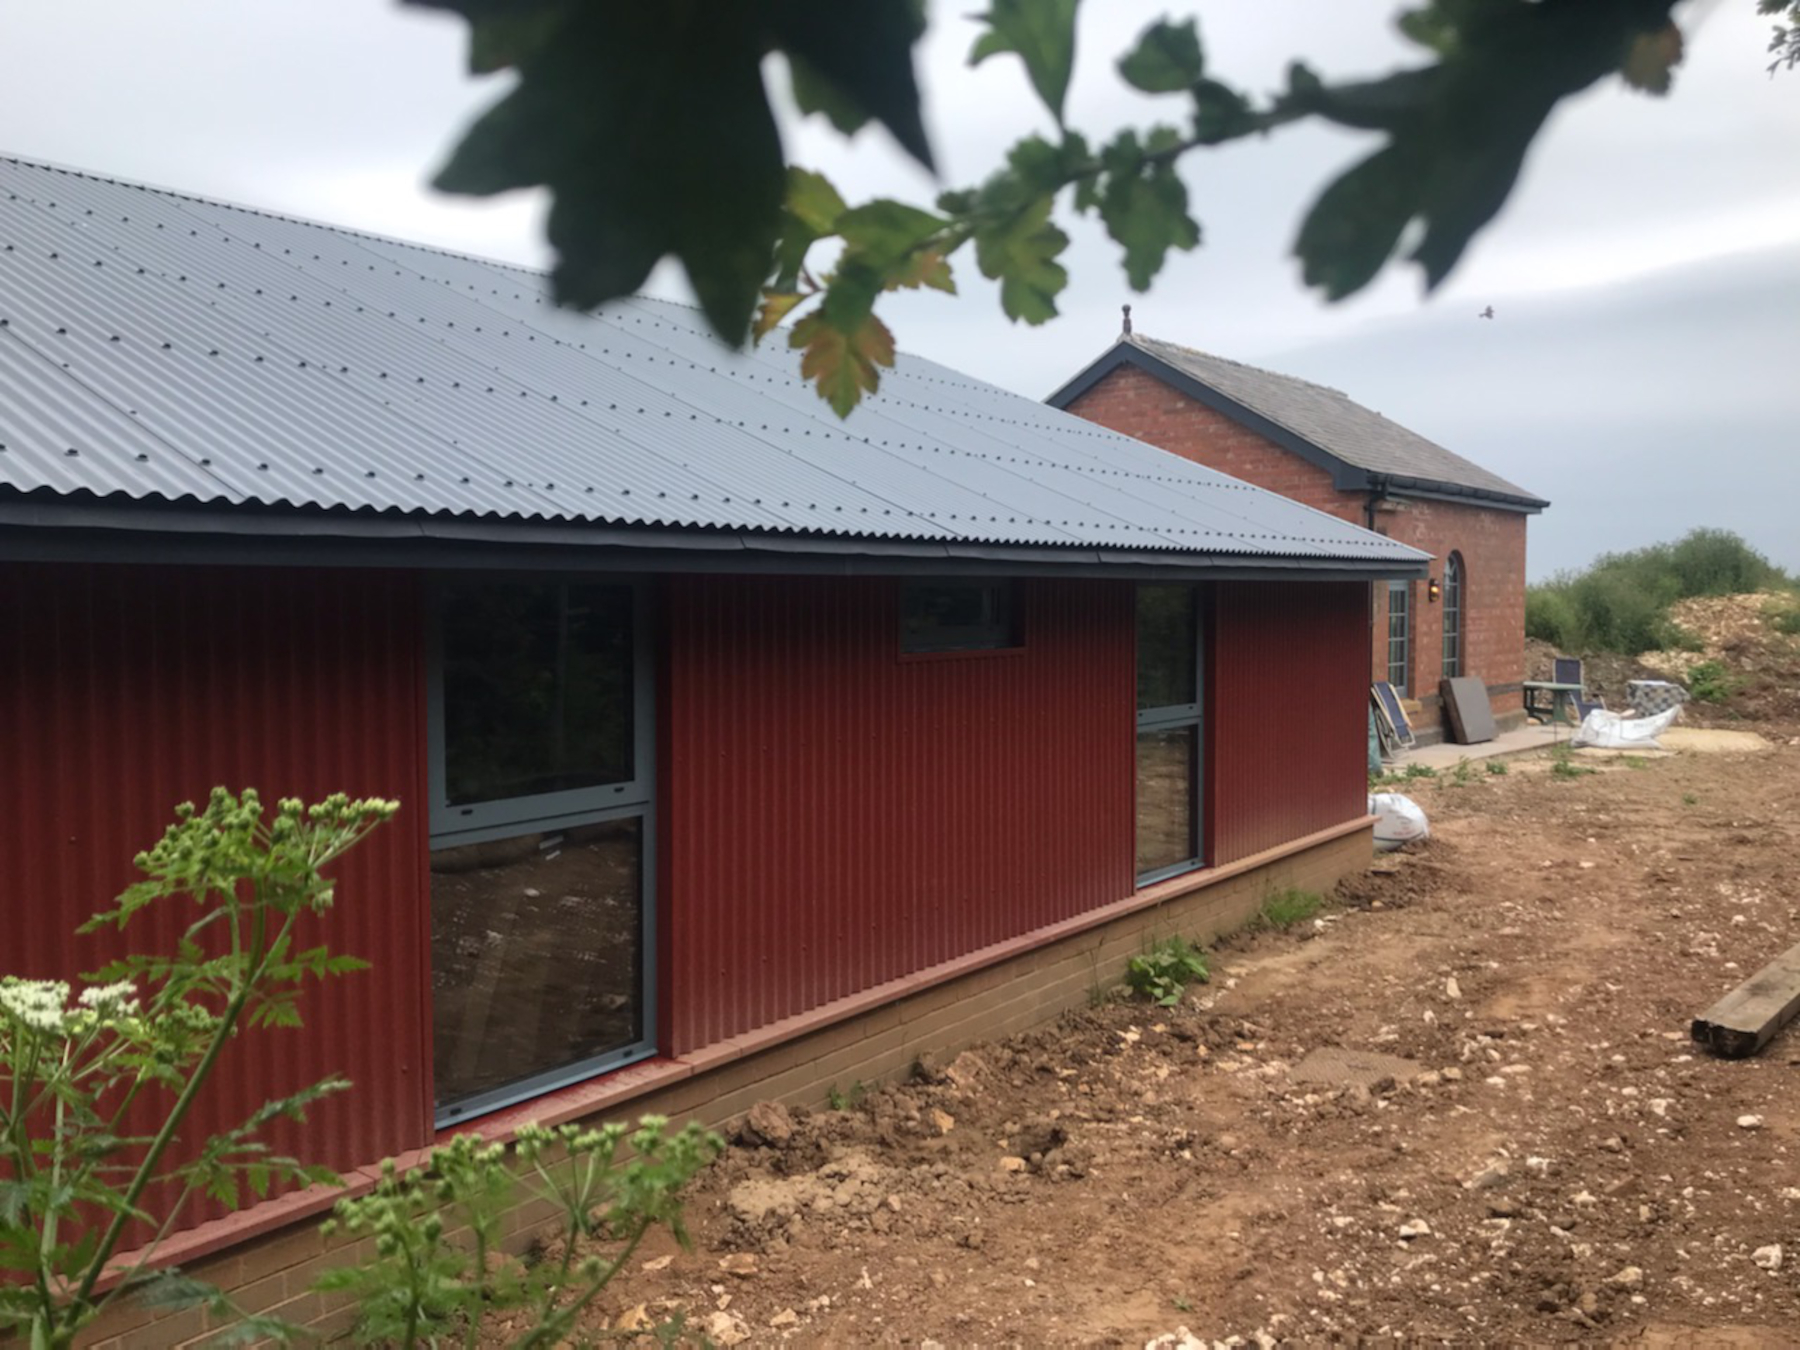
<point x="883" y="232"/>
<point x="1042" y="34"/>
<point x="852" y="62"/>
<point x="640" y="164"/>
<point x="1145" y="205"/>
<point x="1166" y="60"/>
<point x="1020" y="251"/>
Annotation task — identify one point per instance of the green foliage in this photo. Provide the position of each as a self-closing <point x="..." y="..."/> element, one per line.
<point x="651" y="128"/>
<point x="1166" y="60"/>
<point x="1784" y="42"/>
<point x="1689" y="799"/>
<point x="438" y="1267"/>
<point x="72" y="1177"/>
<point x="1042" y="34"/>
<point x="1464" y="773"/>
<point x="1496" y="768"/>
<point x="1163" y="973"/>
<point x="846" y="1101"/>
<point x="1621" y="602"/>
<point x="1711" y="682"/>
<point x="1635" y="762"/>
<point x="1563" y="765"/>
<point x="1411" y="773"/>
<point x="1283" y="909"/>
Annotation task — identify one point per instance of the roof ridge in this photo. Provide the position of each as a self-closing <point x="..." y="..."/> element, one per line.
<point x="1148" y="342"/>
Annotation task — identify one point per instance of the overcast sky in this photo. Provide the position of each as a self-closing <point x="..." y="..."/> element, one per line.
<point x="1640" y="371"/>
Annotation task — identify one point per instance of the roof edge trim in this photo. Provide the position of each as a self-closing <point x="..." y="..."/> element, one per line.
<point x="44" y="531"/>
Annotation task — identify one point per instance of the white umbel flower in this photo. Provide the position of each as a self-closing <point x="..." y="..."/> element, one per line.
<point x="38" y="1004"/>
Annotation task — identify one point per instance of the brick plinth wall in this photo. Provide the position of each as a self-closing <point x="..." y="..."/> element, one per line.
<point x="982" y="998"/>
<point x="1492" y="542"/>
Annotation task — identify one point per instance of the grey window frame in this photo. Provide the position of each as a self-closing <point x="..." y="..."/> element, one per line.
<point x="1456" y="576"/>
<point x="1400" y="646"/>
<point x="478" y="823"/>
<point x="1176" y="717"/>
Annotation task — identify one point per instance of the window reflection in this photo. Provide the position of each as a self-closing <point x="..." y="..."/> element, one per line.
<point x="536" y="944"/>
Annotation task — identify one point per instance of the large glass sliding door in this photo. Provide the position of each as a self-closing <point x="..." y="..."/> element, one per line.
<point x="540" y="823"/>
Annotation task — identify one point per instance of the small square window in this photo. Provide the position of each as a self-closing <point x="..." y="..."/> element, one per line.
<point x="958" y="616"/>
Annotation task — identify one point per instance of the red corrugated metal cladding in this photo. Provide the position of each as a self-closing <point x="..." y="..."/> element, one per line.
<point x="1287" y="708"/>
<point x="126" y="690"/>
<point x="838" y="816"/>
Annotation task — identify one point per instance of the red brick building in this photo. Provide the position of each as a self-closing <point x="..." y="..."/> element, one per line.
<point x="1315" y="445"/>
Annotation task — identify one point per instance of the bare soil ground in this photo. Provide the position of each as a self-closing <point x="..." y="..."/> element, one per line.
<point x="1554" y="1160"/>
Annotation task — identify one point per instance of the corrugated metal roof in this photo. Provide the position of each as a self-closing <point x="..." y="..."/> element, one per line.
<point x="156" y="346"/>
<point x="1325" y="418"/>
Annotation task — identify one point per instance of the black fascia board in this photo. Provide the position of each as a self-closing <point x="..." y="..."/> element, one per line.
<point x="62" y="532"/>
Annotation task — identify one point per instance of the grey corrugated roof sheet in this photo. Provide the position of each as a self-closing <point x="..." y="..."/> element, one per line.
<point x="1332" y="422"/>
<point x="161" y="347"/>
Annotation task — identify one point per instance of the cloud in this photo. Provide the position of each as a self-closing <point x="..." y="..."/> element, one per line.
<point x="1640" y="409"/>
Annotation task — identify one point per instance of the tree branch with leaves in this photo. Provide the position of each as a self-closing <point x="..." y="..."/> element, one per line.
<point x="651" y="128"/>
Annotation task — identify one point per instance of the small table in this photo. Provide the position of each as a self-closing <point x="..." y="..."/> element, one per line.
<point x="1561" y="701"/>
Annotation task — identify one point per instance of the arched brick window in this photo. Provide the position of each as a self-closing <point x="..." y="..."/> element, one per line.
<point x="1455" y="598"/>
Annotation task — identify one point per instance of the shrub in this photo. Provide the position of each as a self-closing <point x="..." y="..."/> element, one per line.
<point x="72" y="1178"/>
<point x="1710" y="682"/>
<point x="438" y="1267"/>
<point x="1163" y="973"/>
<point x="1621" y="602"/>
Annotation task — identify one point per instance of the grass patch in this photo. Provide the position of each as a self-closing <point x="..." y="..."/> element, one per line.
<point x="1163" y="973"/>
<point x="1496" y="768"/>
<point x="1464" y="772"/>
<point x="1563" y="765"/>
<point x="1621" y="602"/>
<point x="1784" y="618"/>
<point x="1689" y="799"/>
<point x="1411" y="773"/>
<point x="1283" y="909"/>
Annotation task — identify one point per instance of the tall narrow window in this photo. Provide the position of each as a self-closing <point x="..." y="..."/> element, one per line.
<point x="1399" y="660"/>
<point x="1168" y="731"/>
<point x="540" y="811"/>
<point x="1453" y="616"/>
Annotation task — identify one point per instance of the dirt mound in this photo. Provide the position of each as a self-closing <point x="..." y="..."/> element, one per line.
<point x="1761" y="665"/>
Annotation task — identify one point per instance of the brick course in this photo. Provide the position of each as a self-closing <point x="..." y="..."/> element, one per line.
<point x="1492" y="542"/>
<point x="272" y="1274"/>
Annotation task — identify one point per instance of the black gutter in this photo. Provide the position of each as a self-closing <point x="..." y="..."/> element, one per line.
<point x="31" y="532"/>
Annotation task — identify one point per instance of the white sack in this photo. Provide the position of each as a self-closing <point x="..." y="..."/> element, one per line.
<point x="1610" y="731"/>
<point x="1398" y="820"/>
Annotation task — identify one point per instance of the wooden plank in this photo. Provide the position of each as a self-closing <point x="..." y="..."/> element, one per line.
<point x="1747" y="1018"/>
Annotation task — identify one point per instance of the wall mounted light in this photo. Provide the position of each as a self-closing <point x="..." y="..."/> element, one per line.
<point x="1432" y="589"/>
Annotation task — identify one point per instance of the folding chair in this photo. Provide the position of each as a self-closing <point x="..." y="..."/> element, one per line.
<point x="1567" y="670"/>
